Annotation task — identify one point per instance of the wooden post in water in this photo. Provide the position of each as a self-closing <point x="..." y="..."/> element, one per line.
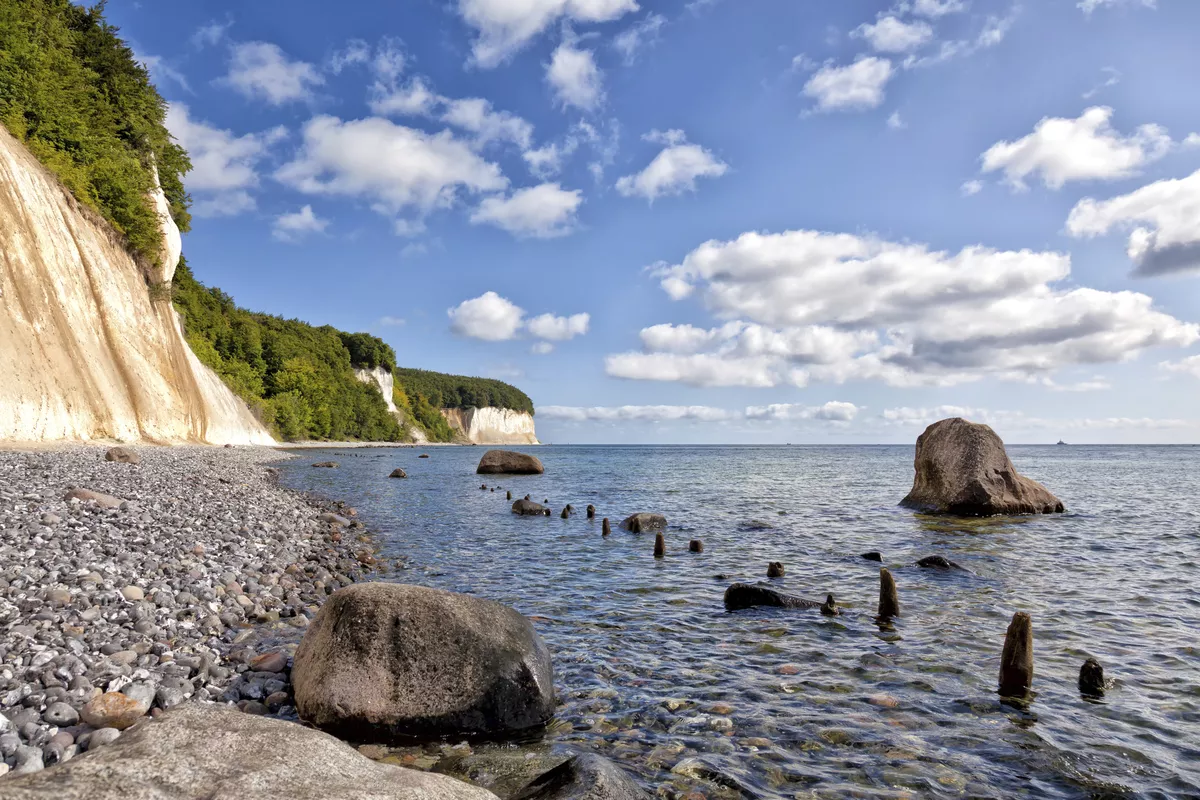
<point x="1016" y="660"/>
<point x="566" y="512"/>
<point x="695" y="546"/>
<point x="508" y="495"/>
<point x="775" y="569"/>
<point x="604" y="529"/>
<point x="1091" y="679"/>
<point x="660" y="546"/>
<point x="829" y="608"/>
<point x="889" y="600"/>
<point x="591" y="511"/>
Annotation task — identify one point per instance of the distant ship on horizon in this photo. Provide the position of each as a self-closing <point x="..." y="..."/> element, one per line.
<point x="1060" y="441"/>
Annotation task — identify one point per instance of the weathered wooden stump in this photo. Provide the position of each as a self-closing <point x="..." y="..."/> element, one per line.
<point x="889" y="600"/>
<point x="1016" y="660"/>
<point x="775" y="569"/>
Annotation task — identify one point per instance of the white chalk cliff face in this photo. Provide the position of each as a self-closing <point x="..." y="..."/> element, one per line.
<point x="84" y="351"/>
<point x="492" y="425"/>
<point x="383" y="381"/>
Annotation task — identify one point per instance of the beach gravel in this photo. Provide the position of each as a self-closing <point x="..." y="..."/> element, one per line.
<point x="130" y="588"/>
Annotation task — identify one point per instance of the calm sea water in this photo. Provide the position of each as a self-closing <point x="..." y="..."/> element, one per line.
<point x="776" y="703"/>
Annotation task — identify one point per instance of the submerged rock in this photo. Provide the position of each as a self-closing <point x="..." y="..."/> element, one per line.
<point x="874" y="555"/>
<point x="937" y="562"/>
<point x="775" y="569"/>
<point x="507" y="462"/>
<point x="746" y="595"/>
<point x="327" y="464"/>
<point x="584" y="777"/>
<point x="1091" y="679"/>
<point x="383" y="661"/>
<point x="211" y="752"/>
<point x="962" y="468"/>
<point x="644" y="523"/>
<point x="398" y="473"/>
<point x="528" y="508"/>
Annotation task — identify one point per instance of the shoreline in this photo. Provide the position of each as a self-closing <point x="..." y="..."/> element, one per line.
<point x="195" y="586"/>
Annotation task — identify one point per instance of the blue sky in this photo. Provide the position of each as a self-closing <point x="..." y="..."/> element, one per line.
<point x="717" y="221"/>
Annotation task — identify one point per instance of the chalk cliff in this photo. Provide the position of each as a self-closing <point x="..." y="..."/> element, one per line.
<point x="85" y="351"/>
<point x="382" y="380"/>
<point x="491" y="425"/>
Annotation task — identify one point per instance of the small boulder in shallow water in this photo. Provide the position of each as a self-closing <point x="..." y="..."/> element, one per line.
<point x="122" y="455"/>
<point x="584" y="777"/>
<point x="644" y="523"/>
<point x="398" y="473"/>
<point x="746" y="595"/>
<point x="962" y="468"/>
<point x="382" y="661"/>
<point x="507" y="462"/>
<point x="213" y="752"/>
<point x="775" y="569"/>
<point x="873" y="556"/>
<point x="423" y="455"/>
<point x="326" y="464"/>
<point x="528" y="508"/>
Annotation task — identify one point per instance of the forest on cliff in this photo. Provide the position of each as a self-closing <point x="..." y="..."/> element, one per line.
<point x="72" y="91"/>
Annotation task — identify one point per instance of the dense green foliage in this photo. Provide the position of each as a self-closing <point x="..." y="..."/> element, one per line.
<point x="296" y="378"/>
<point x="71" y="90"/>
<point x="460" y="391"/>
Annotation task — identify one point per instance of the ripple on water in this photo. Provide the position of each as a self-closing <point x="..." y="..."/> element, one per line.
<point x="772" y="703"/>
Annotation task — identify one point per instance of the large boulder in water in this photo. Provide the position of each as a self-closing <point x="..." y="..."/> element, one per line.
<point x="962" y="468"/>
<point x="212" y="752"/>
<point x="584" y="777"/>
<point x="385" y="661"/>
<point x="506" y="462"/>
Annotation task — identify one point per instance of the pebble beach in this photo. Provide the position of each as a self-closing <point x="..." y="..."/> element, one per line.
<point x="185" y="579"/>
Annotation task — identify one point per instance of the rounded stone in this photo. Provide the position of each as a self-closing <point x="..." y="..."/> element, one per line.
<point x="60" y="715"/>
<point x="133" y="593"/>
<point x="114" y="710"/>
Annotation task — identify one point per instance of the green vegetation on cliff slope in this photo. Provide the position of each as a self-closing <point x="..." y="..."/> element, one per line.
<point x="71" y="90"/>
<point x="296" y="378"/>
<point x="460" y="391"/>
<point x="299" y="379"/>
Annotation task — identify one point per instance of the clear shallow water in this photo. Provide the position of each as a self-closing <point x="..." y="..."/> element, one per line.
<point x="777" y="703"/>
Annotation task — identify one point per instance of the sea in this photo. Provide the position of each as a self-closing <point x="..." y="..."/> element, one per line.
<point x="654" y="673"/>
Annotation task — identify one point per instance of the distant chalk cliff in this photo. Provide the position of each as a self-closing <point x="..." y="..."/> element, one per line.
<point x="492" y="425"/>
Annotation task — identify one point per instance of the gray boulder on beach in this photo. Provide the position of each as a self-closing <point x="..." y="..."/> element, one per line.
<point x="644" y="523"/>
<point x="507" y="462"/>
<point x="384" y="661"/>
<point x="963" y="469"/>
<point x="583" y="777"/>
<point x="212" y="752"/>
<point x="746" y="595"/>
<point x="122" y="455"/>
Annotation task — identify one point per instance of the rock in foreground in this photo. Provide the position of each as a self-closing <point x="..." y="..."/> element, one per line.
<point x="209" y="752"/>
<point x="584" y="777"/>
<point x="962" y="469"/>
<point x="507" y="462"/>
<point x="746" y="595"/>
<point x="528" y="508"/>
<point x="387" y="661"/>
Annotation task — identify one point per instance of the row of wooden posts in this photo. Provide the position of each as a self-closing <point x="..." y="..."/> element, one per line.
<point x="1016" y="658"/>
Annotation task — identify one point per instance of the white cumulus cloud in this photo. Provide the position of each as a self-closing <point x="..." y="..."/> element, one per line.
<point x="635" y="38"/>
<point x="505" y="26"/>
<point x="493" y="318"/>
<point x="853" y="87"/>
<point x="1088" y="148"/>
<point x="262" y="71"/>
<point x="674" y="170"/>
<point x="807" y="306"/>
<point x="389" y="165"/>
<point x="1088" y="6"/>
<point x="889" y="34"/>
<point x="833" y="411"/>
<point x="295" y="225"/>
<point x="636" y="413"/>
<point x="543" y="211"/>
<point x="224" y="165"/>
<point x="576" y="80"/>
<point x="1164" y="222"/>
